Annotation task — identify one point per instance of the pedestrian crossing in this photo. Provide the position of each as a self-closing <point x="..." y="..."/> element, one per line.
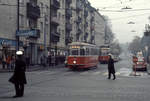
<point x="90" y="73"/>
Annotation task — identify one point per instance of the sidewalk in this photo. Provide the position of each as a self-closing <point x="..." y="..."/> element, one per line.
<point x="148" y="69"/>
<point x="33" y="68"/>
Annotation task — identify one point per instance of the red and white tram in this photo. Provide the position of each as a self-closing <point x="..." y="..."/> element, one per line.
<point x="82" y="55"/>
<point x="104" y="51"/>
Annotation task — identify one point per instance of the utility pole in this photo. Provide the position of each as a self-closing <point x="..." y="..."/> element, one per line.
<point x="105" y="32"/>
<point x="17" y="37"/>
<point x="50" y="24"/>
<point x="45" y="34"/>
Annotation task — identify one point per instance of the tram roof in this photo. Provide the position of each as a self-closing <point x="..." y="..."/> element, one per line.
<point x="81" y="43"/>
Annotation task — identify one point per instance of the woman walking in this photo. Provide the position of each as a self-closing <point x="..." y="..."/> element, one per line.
<point x="111" y="68"/>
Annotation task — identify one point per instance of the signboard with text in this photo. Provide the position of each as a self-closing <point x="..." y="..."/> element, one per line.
<point x="32" y="33"/>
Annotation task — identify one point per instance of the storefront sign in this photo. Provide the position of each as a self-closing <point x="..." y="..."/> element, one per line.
<point x="8" y="42"/>
<point x="32" y="33"/>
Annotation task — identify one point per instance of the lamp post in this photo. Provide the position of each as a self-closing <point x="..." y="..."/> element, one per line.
<point x="17" y="37"/>
<point x="146" y="53"/>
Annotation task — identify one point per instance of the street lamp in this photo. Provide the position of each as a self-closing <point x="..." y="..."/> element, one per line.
<point x="146" y="53"/>
<point x="17" y="37"/>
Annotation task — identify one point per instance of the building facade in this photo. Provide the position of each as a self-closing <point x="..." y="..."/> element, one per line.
<point x="33" y="27"/>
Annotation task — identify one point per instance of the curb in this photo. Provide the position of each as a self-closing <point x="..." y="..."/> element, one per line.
<point x="148" y="69"/>
<point x="33" y="68"/>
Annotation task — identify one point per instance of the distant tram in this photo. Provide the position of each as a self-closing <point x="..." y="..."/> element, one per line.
<point x="104" y="51"/>
<point x="82" y="55"/>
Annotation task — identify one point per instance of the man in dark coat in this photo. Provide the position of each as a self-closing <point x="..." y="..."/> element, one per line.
<point x="19" y="78"/>
<point x="111" y="69"/>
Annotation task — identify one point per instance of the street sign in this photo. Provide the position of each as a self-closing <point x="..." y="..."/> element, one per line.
<point x="32" y="33"/>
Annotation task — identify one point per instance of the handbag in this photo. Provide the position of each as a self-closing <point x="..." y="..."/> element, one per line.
<point x="12" y="79"/>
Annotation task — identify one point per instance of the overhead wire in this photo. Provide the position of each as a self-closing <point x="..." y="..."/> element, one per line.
<point x="129" y="16"/>
<point x="146" y="9"/>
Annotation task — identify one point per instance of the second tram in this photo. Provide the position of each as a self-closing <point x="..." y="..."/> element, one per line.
<point x="82" y="55"/>
<point x="104" y="51"/>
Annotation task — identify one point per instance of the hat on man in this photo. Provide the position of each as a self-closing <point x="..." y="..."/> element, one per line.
<point x="19" y="53"/>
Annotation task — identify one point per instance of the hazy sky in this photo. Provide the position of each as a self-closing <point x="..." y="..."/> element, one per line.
<point x="138" y="14"/>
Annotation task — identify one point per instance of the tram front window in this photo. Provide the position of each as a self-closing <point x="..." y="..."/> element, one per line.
<point x="74" y="52"/>
<point x="82" y="52"/>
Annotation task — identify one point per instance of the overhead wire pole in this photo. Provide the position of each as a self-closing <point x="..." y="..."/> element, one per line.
<point x="17" y="37"/>
<point x="50" y="24"/>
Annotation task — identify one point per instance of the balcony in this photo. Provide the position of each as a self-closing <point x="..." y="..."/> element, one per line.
<point x="86" y="36"/>
<point x="54" y="20"/>
<point x="92" y="18"/>
<point x="92" y="28"/>
<point x="68" y="27"/>
<point x="86" y="24"/>
<point x="79" y="6"/>
<point x="69" y="1"/>
<point x="55" y="4"/>
<point x="92" y="38"/>
<point x="79" y="19"/>
<point x="55" y="37"/>
<point x="33" y="11"/>
<point x="79" y="31"/>
<point x="68" y="13"/>
<point x="85" y="13"/>
<point x="68" y="40"/>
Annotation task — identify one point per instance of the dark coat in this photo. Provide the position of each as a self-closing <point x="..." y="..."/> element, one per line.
<point x="19" y="73"/>
<point x="111" y="68"/>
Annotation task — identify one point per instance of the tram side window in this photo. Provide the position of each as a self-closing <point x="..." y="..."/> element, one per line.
<point x="87" y="51"/>
<point x="74" y="52"/>
<point x="82" y="52"/>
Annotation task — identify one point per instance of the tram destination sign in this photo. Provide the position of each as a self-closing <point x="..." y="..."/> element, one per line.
<point x="32" y="33"/>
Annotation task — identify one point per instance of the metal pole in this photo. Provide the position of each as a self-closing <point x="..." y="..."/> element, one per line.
<point x="50" y="24"/>
<point x="17" y="37"/>
<point x="105" y="32"/>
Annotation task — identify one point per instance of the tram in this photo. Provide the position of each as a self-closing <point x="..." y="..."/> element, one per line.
<point x="104" y="51"/>
<point x="82" y="55"/>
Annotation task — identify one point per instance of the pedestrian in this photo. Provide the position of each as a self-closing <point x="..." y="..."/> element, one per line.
<point x="19" y="78"/>
<point x="8" y="61"/>
<point x="12" y="61"/>
<point x="111" y="68"/>
<point x="3" y="61"/>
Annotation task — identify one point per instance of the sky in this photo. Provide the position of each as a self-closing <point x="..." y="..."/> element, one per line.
<point x="120" y="18"/>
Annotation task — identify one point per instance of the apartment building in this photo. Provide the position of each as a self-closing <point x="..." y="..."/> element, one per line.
<point x="87" y="23"/>
<point x="100" y="32"/>
<point x="48" y="26"/>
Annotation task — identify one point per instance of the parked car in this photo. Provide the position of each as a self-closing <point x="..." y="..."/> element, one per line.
<point x="139" y="64"/>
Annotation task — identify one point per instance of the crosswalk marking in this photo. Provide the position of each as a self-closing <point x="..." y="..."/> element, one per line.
<point x="94" y="73"/>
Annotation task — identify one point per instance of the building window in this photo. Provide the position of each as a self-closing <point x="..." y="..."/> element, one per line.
<point x="42" y="8"/>
<point x="21" y="1"/>
<point x="21" y="20"/>
<point x="32" y="23"/>
<point x="63" y="3"/>
<point x="41" y="27"/>
<point x="46" y="29"/>
<point x="59" y="15"/>
<point x="47" y="9"/>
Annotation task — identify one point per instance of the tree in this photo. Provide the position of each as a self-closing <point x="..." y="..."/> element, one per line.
<point x="135" y="45"/>
<point x="115" y="47"/>
<point x="109" y="35"/>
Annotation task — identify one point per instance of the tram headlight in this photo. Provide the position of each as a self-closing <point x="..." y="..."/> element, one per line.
<point x="74" y="62"/>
